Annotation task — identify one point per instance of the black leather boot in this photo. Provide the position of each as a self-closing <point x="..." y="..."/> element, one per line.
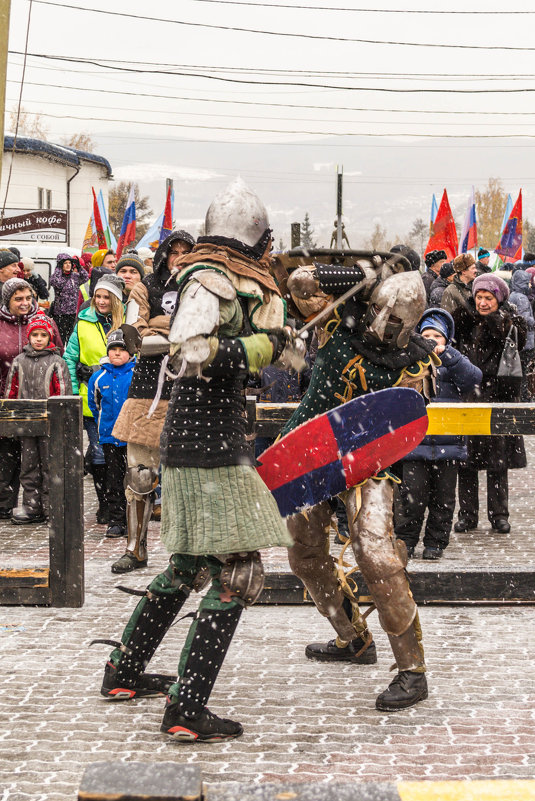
<point x="330" y="652"/>
<point x="407" y="689"/>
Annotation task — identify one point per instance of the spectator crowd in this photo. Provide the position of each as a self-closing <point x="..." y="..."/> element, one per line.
<point x="77" y="344"/>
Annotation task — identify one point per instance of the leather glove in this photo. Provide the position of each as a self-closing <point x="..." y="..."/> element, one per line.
<point x="132" y="338"/>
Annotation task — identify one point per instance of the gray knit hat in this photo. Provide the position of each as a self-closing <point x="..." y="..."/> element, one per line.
<point x="7" y="257"/>
<point x="10" y="287"/>
<point x="131" y="260"/>
<point x="111" y="283"/>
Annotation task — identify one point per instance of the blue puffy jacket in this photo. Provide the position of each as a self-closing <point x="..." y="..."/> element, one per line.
<point x="107" y="390"/>
<point x="456" y="378"/>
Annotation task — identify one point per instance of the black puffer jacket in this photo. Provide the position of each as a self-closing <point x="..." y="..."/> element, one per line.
<point x="482" y="339"/>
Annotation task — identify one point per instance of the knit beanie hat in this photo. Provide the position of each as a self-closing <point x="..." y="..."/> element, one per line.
<point x="85" y="259"/>
<point x="12" y="286"/>
<point x="145" y="253"/>
<point x="446" y="270"/>
<point x="436" y="322"/>
<point x="39" y="322"/>
<point x="98" y="257"/>
<point x="131" y="260"/>
<point x="7" y="257"/>
<point x="28" y="263"/>
<point x="433" y="256"/>
<point x="489" y="282"/>
<point x="482" y="253"/>
<point x="116" y="340"/>
<point x="112" y="283"/>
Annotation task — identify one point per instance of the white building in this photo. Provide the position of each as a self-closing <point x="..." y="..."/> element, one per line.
<point x="49" y="198"/>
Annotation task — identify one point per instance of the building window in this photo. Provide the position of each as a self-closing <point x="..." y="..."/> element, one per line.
<point x="40" y="197"/>
<point x="49" y="198"/>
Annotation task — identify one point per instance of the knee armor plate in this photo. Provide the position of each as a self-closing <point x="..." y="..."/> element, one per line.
<point x="243" y="575"/>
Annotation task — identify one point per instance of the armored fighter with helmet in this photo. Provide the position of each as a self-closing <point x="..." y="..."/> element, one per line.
<point x="365" y="344"/>
<point x="216" y="511"/>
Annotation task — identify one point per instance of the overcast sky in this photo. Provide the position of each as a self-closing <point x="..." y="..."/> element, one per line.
<point x="153" y="125"/>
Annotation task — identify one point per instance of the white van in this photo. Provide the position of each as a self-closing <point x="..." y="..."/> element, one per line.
<point x="44" y="257"/>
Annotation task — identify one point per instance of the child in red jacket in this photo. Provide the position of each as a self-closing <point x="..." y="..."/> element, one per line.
<point x="37" y="373"/>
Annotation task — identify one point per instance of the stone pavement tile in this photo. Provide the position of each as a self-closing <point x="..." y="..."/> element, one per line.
<point x="304" y="721"/>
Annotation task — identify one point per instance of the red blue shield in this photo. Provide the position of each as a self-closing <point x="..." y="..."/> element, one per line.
<point x="343" y="447"/>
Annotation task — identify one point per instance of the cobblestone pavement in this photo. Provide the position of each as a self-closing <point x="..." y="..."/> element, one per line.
<point x="304" y="721"/>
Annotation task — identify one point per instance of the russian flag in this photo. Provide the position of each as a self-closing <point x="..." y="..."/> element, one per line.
<point x="469" y="233"/>
<point x="128" y="228"/>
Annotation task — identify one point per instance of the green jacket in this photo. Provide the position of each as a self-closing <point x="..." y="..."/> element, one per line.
<point x="87" y="345"/>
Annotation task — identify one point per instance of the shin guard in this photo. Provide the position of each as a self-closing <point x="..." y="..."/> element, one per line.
<point x="208" y="641"/>
<point x="145" y="630"/>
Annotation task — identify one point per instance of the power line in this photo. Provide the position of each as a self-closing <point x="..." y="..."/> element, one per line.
<point x="270" y="105"/>
<point x="451" y="76"/>
<point x="282" y="33"/>
<point x="285" y="133"/>
<point x="357" y="10"/>
<point x="248" y="116"/>
<point x="75" y="60"/>
<point x="18" y="111"/>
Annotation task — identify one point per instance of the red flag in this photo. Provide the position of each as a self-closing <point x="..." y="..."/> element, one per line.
<point x="444" y="236"/>
<point x="167" y="224"/>
<point x="510" y="244"/>
<point x="101" y="236"/>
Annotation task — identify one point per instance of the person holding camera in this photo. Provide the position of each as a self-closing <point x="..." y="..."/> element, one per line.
<point x="65" y="281"/>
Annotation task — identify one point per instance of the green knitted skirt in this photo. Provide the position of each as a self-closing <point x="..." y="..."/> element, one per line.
<point x="219" y="510"/>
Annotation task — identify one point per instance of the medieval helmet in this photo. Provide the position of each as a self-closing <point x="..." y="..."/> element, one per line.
<point x="394" y="309"/>
<point x="237" y="213"/>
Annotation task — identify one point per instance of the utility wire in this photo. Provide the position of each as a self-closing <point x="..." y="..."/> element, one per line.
<point x="75" y="60"/>
<point x="256" y="118"/>
<point x="18" y="113"/>
<point x="285" y="133"/>
<point x="281" y="33"/>
<point x="271" y="105"/>
<point x="356" y="10"/>
<point x="311" y="73"/>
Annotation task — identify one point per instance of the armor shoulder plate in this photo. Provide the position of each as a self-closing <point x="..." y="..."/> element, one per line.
<point x="215" y="282"/>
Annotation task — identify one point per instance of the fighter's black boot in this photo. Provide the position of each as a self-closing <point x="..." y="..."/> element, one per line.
<point x="206" y="727"/>
<point x="186" y="717"/>
<point x="356" y="651"/>
<point x="410" y="685"/>
<point x="145" y="630"/>
<point x="148" y="685"/>
<point x="407" y="689"/>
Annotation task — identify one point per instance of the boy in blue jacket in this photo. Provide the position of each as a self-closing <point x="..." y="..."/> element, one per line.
<point x="430" y="471"/>
<point x="107" y="390"/>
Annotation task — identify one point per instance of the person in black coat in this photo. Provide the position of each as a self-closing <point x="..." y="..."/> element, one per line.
<point x="37" y="283"/>
<point x="429" y="472"/>
<point x="481" y="330"/>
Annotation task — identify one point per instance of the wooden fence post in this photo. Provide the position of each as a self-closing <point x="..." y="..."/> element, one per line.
<point x="66" y="502"/>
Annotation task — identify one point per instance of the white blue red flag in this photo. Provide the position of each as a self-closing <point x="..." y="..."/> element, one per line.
<point x="469" y="232"/>
<point x="128" y="228"/>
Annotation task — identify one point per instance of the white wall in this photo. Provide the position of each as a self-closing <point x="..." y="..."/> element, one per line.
<point x="30" y="172"/>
